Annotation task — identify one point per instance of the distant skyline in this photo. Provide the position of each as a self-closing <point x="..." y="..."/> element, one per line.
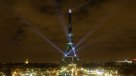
<point x="107" y="28"/>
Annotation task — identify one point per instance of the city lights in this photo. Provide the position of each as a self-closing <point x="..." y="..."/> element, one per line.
<point x="69" y="70"/>
<point x="2" y="74"/>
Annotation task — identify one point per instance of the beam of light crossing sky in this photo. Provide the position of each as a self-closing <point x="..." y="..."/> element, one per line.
<point x="42" y="36"/>
<point x="101" y="22"/>
<point x="92" y="31"/>
<point x="60" y="16"/>
<point x="90" y="44"/>
<point x="80" y="5"/>
<point x="46" y="39"/>
<point x="62" y="22"/>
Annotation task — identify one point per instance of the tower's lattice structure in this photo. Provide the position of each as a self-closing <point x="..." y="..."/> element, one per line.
<point x="70" y="55"/>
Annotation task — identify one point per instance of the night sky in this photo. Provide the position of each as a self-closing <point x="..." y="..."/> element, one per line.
<point x="108" y="28"/>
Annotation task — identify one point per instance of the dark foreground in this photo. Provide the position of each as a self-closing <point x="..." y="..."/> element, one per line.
<point x="53" y="69"/>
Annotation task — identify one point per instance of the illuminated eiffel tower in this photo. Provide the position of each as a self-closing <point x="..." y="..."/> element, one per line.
<point x="70" y="56"/>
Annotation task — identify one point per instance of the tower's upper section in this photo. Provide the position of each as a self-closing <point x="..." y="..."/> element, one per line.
<point x="70" y="34"/>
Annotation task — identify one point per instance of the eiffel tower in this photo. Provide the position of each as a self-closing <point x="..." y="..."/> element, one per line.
<point x="70" y="56"/>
